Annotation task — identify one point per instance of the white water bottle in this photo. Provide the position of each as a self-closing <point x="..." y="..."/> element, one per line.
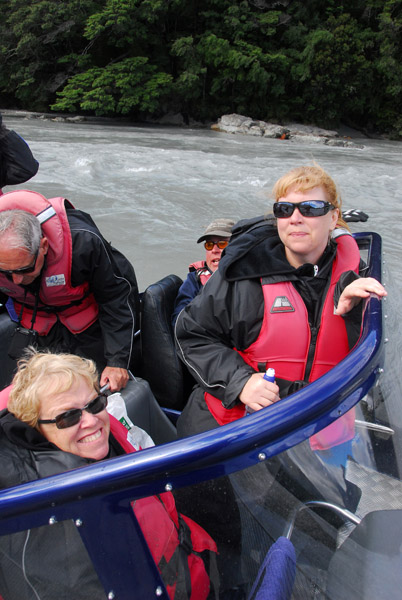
<point x="269" y="375"/>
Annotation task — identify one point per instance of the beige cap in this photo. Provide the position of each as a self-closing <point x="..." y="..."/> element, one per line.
<point x="219" y="228"/>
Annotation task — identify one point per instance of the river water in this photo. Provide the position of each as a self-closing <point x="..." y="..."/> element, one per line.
<point x="152" y="190"/>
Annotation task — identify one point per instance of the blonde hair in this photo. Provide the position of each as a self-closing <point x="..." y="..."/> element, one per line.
<point x="42" y="374"/>
<point x="305" y="178"/>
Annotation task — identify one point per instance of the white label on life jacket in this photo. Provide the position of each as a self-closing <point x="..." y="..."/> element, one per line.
<point x="282" y="305"/>
<point x="55" y="280"/>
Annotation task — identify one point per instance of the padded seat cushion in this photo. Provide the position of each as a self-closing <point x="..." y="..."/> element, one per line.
<point x="168" y="378"/>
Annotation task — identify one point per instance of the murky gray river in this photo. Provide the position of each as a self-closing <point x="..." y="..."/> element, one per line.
<point x="152" y="190"/>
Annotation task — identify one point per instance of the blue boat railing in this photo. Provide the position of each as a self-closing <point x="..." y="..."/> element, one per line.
<point x="97" y="497"/>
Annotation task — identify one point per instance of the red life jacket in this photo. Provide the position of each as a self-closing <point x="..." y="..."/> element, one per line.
<point x="284" y="339"/>
<point x="75" y="307"/>
<point x="174" y="540"/>
<point x="202" y="270"/>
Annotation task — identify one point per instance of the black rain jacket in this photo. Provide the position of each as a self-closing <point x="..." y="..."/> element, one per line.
<point x="17" y="163"/>
<point x="52" y="560"/>
<point x="228" y="312"/>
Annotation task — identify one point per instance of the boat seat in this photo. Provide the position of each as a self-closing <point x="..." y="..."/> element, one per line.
<point x="170" y="381"/>
<point x="145" y="412"/>
<point x="8" y="365"/>
<point x="369" y="562"/>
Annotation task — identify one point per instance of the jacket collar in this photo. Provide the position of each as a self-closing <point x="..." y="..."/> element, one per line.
<point x="21" y="434"/>
<point x="256" y="251"/>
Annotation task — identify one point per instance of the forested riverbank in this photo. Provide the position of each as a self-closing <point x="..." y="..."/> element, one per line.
<point x="279" y="61"/>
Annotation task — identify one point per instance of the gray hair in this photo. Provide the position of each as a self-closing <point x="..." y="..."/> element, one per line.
<point x="21" y="229"/>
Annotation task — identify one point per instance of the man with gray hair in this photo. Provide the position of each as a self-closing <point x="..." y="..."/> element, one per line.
<point x="72" y="291"/>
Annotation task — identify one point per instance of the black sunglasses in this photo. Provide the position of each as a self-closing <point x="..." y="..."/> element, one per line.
<point x="73" y="416"/>
<point x="308" y="208"/>
<point x="23" y="269"/>
<point x="209" y="244"/>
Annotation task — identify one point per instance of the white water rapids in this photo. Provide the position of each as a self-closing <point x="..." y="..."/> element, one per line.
<point x="152" y="190"/>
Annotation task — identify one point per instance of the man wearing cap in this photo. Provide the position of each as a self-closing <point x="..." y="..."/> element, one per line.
<point x="73" y="291"/>
<point x="215" y="237"/>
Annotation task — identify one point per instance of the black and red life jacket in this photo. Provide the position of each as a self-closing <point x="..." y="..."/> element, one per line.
<point x="203" y="273"/>
<point x="75" y="307"/>
<point x="175" y="541"/>
<point x="278" y="345"/>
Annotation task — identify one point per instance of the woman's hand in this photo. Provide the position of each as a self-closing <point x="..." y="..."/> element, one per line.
<point x="258" y="392"/>
<point x="355" y="291"/>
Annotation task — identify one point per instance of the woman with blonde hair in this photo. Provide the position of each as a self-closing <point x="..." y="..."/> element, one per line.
<point x="56" y="421"/>
<point x="272" y="303"/>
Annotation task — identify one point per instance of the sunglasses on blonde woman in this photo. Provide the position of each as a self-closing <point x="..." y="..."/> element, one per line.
<point x="308" y="208"/>
<point x="208" y="245"/>
<point x="72" y="417"/>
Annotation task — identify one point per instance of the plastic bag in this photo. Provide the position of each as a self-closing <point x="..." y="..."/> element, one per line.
<point x="135" y="435"/>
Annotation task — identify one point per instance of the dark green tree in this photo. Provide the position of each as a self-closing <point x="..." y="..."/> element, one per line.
<point x="384" y="110"/>
<point x="41" y="45"/>
<point x="317" y="62"/>
<point x="333" y="72"/>
<point x="127" y="49"/>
